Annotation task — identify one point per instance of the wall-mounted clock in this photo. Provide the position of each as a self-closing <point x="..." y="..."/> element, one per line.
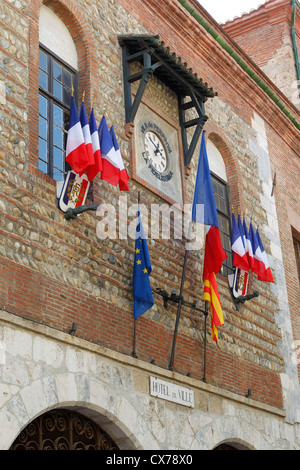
<point x="155" y="151"/>
<point x="157" y="155"/>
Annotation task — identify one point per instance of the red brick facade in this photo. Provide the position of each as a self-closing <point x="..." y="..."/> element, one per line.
<point x="51" y="279"/>
<point x="261" y="34"/>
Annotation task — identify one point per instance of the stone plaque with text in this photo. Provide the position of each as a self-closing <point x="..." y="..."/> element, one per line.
<point x="171" y="392"/>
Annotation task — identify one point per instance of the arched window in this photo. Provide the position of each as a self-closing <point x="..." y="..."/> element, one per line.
<point x="58" y="67"/>
<point x="62" y="429"/>
<point x="296" y="243"/>
<point x="222" y="199"/>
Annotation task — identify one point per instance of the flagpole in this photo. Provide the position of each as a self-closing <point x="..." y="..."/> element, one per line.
<point x="205" y="330"/>
<point x="204" y="200"/>
<point x="134" y="329"/>
<point x="180" y="301"/>
<point x="134" y="339"/>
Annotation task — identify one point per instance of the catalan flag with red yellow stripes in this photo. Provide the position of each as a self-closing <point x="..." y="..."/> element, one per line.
<point x="211" y="295"/>
<point x="204" y="211"/>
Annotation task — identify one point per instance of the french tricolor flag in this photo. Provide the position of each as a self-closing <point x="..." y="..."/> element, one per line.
<point x="240" y="259"/>
<point x="123" y="182"/>
<point x="94" y="169"/>
<point x="248" y="247"/>
<point x="256" y="250"/>
<point x="86" y="134"/>
<point x="76" y="152"/>
<point x="113" y="170"/>
<point x="204" y="211"/>
<point x="265" y="273"/>
<point x="241" y="229"/>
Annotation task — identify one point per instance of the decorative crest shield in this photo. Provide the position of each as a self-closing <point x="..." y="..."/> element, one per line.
<point x="240" y="282"/>
<point x="74" y="191"/>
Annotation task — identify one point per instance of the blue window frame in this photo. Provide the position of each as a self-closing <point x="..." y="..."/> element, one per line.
<point x="56" y="80"/>
<point x="221" y="192"/>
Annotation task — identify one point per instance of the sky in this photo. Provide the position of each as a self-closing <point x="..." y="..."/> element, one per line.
<point x="223" y="10"/>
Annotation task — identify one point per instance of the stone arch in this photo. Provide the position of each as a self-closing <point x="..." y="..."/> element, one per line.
<point x="218" y="137"/>
<point x="70" y="15"/>
<point x="63" y="429"/>
<point x="239" y="431"/>
<point x="233" y="444"/>
<point x="89" y="396"/>
<point x="64" y="48"/>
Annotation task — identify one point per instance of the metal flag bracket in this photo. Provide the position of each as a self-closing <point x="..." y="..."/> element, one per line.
<point x="173" y="298"/>
<point x="243" y="298"/>
<point x="180" y="301"/>
<point x="71" y="213"/>
<point x="238" y="283"/>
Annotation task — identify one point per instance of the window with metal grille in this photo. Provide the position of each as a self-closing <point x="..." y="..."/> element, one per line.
<point x="61" y="429"/>
<point x="221" y="192"/>
<point x="297" y="254"/>
<point x="56" y="80"/>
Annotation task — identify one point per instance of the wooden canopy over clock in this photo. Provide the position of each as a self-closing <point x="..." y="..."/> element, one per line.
<point x="157" y="59"/>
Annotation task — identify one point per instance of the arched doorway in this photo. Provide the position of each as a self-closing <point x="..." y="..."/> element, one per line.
<point x="62" y="429"/>
<point x="231" y="446"/>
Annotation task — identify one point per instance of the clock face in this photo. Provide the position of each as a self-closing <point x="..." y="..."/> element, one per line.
<point x="156" y="155"/>
<point x="155" y="151"/>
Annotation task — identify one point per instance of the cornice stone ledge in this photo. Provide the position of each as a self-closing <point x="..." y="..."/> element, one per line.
<point x="17" y="321"/>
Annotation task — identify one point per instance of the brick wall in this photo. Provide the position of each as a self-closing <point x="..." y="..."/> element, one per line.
<point x="265" y="35"/>
<point x="287" y="194"/>
<point x="44" y="300"/>
<point x="58" y="272"/>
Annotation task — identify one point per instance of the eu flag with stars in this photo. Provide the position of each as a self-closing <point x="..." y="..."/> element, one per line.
<point x="142" y="294"/>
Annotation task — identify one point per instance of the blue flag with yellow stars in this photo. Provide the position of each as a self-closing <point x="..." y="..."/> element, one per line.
<point x="142" y="294"/>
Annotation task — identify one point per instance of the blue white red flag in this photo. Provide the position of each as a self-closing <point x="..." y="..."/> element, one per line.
<point x="240" y="259"/>
<point x="265" y="273"/>
<point x="123" y="181"/>
<point x="256" y="250"/>
<point x="111" y="163"/>
<point x="76" y="153"/>
<point x="204" y="211"/>
<point x="86" y="135"/>
<point x="248" y="247"/>
<point x="142" y="294"/>
<point x="241" y="229"/>
<point x="96" y="168"/>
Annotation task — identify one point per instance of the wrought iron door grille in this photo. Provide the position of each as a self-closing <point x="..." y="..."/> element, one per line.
<point x="63" y="430"/>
